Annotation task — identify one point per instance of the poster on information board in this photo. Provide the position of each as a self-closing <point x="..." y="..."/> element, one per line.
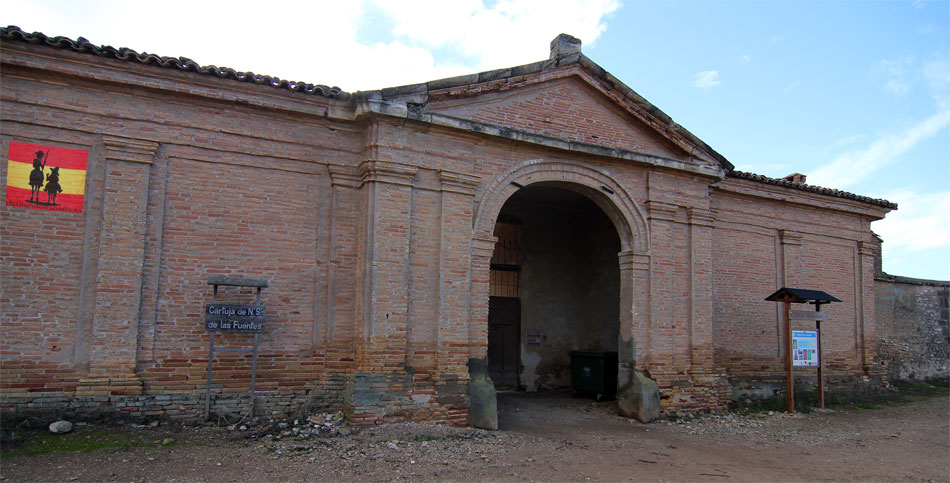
<point x="805" y="348"/>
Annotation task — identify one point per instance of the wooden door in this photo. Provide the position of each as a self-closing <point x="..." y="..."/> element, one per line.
<point x="504" y="340"/>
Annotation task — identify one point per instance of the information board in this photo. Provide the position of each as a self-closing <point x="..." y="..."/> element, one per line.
<point x="805" y="348"/>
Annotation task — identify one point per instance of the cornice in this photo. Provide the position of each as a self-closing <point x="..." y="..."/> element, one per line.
<point x="812" y="189"/>
<point x="344" y="176"/>
<point x="700" y="216"/>
<point x="790" y="237"/>
<point x="661" y="210"/>
<point x="130" y="149"/>
<point x="388" y="172"/>
<point x="151" y="75"/>
<point x="461" y="183"/>
<point x="483" y="246"/>
<point x="83" y="46"/>
<point x="806" y="198"/>
<point x="631" y="260"/>
<point x="378" y="107"/>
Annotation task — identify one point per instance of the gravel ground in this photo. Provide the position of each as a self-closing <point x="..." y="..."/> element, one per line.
<point x="547" y="437"/>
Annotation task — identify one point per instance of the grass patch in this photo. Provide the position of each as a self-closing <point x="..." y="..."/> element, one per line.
<point x="916" y="388"/>
<point x="900" y="392"/>
<point x="74" y="442"/>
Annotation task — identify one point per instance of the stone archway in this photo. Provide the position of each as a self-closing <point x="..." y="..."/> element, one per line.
<point x="637" y="395"/>
<point x="628" y="217"/>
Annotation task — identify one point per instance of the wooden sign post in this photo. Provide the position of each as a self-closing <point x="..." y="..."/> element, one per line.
<point x="789" y="376"/>
<point x="791" y="296"/>
<point x="821" y="357"/>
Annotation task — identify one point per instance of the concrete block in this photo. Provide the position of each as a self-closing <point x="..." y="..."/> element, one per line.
<point x="638" y="396"/>
<point x="483" y="405"/>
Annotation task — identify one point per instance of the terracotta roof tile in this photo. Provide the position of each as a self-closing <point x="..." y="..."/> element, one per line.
<point x="812" y="189"/>
<point x="180" y="63"/>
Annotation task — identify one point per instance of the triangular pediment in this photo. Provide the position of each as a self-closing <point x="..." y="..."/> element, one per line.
<point x="566" y="108"/>
<point x="568" y="98"/>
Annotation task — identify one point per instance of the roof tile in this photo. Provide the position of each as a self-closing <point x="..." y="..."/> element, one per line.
<point x="812" y="189"/>
<point x="179" y="63"/>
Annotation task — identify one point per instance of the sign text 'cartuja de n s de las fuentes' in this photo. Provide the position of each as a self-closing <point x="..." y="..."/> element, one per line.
<point x="234" y="317"/>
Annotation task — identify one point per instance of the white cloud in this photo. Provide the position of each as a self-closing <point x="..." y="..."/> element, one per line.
<point x="897" y="86"/>
<point x="845" y="141"/>
<point x="902" y="75"/>
<point x="745" y="58"/>
<point x="921" y="222"/>
<point x="505" y="34"/>
<point x="852" y="167"/>
<point x="706" y="79"/>
<point x="937" y="75"/>
<point x="898" y="74"/>
<point x="318" y="42"/>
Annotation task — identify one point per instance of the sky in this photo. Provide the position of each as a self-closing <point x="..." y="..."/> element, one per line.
<point x="853" y="94"/>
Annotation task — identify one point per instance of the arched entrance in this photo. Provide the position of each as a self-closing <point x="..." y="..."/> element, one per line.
<point x="554" y="288"/>
<point x="626" y="217"/>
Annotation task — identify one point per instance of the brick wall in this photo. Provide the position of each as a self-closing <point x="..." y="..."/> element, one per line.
<point x="374" y="232"/>
<point x="183" y="187"/>
<point x="761" y="245"/>
<point x="180" y="187"/>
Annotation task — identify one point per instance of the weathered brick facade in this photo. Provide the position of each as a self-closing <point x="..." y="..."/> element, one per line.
<point x="761" y="242"/>
<point x="372" y="215"/>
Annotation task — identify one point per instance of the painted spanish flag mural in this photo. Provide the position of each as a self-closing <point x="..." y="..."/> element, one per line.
<point x="46" y="178"/>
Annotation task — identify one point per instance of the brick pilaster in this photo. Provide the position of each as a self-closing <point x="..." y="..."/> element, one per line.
<point x="790" y="267"/>
<point x="422" y="349"/>
<point x="864" y="291"/>
<point x="791" y="254"/>
<point x="458" y="191"/>
<point x="113" y="343"/>
<point x="386" y="188"/>
<point x="483" y="247"/>
<point x="662" y="338"/>
<point x="701" y="223"/>
<point x="634" y="309"/>
<point x="341" y="317"/>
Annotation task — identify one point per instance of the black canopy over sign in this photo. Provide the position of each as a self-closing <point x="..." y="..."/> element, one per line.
<point x="800" y="296"/>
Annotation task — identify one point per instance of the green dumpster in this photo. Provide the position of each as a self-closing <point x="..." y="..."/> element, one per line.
<point x="594" y="374"/>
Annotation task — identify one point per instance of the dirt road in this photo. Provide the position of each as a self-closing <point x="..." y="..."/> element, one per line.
<point x="542" y="438"/>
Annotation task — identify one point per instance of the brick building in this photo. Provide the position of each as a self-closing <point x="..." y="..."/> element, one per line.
<point x="422" y="243"/>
